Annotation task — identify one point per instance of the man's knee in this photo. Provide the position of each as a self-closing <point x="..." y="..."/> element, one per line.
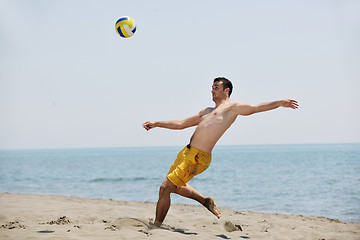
<point x="167" y="187"/>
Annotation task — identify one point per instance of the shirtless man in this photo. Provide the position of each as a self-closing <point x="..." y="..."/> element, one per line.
<point x="211" y="123"/>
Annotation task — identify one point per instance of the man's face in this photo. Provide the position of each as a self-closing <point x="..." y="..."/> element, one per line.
<point x="217" y="91"/>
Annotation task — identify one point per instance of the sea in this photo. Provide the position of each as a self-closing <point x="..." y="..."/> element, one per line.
<point x="306" y="179"/>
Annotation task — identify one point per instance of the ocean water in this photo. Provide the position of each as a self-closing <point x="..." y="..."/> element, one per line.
<point x="321" y="180"/>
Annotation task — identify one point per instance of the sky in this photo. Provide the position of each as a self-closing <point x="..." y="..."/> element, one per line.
<point x="68" y="80"/>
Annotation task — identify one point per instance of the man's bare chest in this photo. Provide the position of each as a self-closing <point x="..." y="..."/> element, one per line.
<point x="217" y="116"/>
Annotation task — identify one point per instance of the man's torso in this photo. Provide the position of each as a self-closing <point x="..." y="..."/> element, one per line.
<point x="212" y="125"/>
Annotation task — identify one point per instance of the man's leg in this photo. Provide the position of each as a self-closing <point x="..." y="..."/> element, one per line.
<point x="190" y="192"/>
<point x="164" y="201"/>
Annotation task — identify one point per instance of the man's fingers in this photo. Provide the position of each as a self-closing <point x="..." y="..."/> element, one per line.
<point x="147" y="126"/>
<point x="292" y="104"/>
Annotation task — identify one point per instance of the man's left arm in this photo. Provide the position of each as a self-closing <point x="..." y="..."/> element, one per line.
<point x="247" y="109"/>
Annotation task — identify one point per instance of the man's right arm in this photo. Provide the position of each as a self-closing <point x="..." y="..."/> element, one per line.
<point x="246" y="109"/>
<point x="174" y="124"/>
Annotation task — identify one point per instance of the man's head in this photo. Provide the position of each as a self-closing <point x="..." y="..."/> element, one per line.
<point x="226" y="84"/>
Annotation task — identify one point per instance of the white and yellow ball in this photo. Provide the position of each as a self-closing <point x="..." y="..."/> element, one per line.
<point x="125" y="27"/>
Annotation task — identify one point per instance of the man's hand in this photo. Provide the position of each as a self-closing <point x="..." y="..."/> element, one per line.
<point x="290" y="103"/>
<point x="148" y="125"/>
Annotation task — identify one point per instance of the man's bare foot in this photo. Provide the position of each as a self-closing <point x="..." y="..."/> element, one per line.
<point x="155" y="225"/>
<point x="212" y="207"/>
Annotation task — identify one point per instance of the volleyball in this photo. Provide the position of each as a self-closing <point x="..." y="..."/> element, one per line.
<point x="125" y="27"/>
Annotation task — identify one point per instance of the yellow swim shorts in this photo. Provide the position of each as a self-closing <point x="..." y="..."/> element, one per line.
<point x="189" y="163"/>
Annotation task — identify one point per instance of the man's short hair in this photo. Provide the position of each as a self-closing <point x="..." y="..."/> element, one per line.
<point x="226" y="83"/>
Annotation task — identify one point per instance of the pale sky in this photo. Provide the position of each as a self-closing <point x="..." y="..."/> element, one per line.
<point x="67" y="80"/>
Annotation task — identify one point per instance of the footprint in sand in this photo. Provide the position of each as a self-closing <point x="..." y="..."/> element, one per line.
<point x="129" y="224"/>
<point x="230" y="227"/>
<point x="13" y="225"/>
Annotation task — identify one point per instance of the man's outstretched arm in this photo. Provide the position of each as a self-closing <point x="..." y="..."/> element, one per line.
<point x="174" y="124"/>
<point x="246" y="109"/>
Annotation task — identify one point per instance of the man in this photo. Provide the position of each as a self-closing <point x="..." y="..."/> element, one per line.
<point x="195" y="158"/>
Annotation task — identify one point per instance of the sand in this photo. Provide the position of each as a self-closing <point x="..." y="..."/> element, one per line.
<point x="25" y="216"/>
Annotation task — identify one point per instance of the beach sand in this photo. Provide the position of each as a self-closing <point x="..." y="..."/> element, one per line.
<point x="25" y="216"/>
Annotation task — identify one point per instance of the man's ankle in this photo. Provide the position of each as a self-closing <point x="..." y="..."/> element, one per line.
<point x="157" y="224"/>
